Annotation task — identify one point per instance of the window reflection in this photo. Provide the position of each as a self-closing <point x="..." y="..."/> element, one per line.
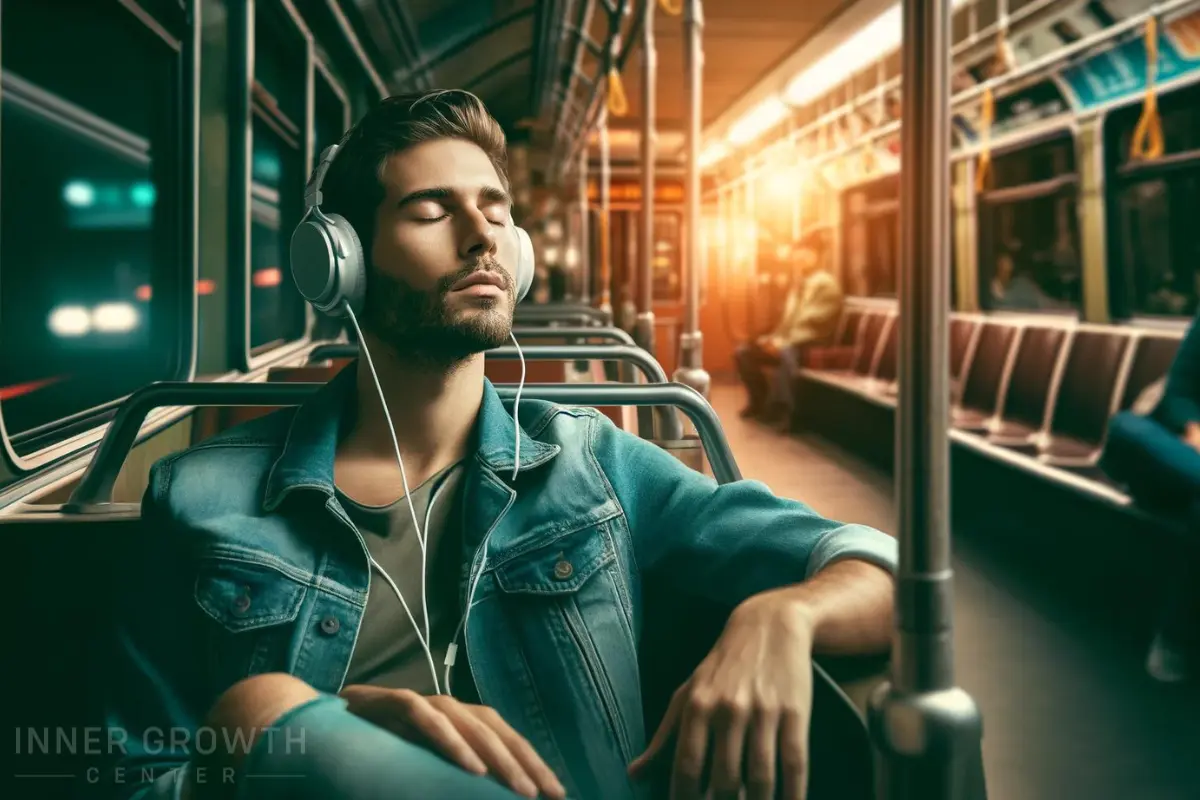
<point x="276" y="307"/>
<point x="1155" y="251"/>
<point x="1029" y="231"/>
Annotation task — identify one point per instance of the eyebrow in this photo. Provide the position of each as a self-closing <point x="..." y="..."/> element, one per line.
<point x="488" y="194"/>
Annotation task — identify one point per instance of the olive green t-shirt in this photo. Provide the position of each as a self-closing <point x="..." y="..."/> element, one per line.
<point x="388" y="652"/>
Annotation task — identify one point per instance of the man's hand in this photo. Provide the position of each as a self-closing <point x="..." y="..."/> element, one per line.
<point x="474" y="737"/>
<point x="772" y="345"/>
<point x="748" y="703"/>
<point x="1191" y="435"/>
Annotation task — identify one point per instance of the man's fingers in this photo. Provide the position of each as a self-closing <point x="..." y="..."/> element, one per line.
<point x="691" y="749"/>
<point x="435" y="727"/>
<point x="665" y="728"/>
<point x="793" y="755"/>
<point x="488" y="745"/>
<point x="728" y="745"/>
<point x="761" y="752"/>
<point x="534" y="766"/>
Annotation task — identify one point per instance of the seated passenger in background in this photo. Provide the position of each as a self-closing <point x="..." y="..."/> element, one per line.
<point x="814" y="322"/>
<point x="1154" y="448"/>
<point x="464" y="625"/>
<point x="810" y="315"/>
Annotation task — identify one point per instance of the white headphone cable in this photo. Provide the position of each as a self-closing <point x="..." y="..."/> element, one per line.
<point x="362" y="343"/>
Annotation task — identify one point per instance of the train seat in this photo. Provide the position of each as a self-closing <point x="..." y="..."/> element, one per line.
<point x="858" y="377"/>
<point x="984" y="376"/>
<point x="887" y="364"/>
<point x="962" y="335"/>
<point x="1152" y="357"/>
<point x="1025" y="403"/>
<point x="1084" y="397"/>
<point x="838" y="355"/>
<point x="1029" y="383"/>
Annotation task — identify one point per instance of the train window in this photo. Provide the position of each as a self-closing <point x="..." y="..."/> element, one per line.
<point x="1154" y="250"/>
<point x="329" y="111"/>
<point x="871" y="240"/>
<point x="94" y="295"/>
<point x="277" y="311"/>
<point x="668" y="262"/>
<point x="1029" y="231"/>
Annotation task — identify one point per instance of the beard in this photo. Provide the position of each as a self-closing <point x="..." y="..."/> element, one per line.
<point x="421" y="327"/>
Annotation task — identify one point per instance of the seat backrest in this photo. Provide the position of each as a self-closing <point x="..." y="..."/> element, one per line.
<point x="1152" y="358"/>
<point x="961" y="331"/>
<point x="868" y="342"/>
<point x="981" y="391"/>
<point x="1089" y="380"/>
<point x="61" y="678"/>
<point x="848" y="332"/>
<point x="889" y="355"/>
<point x="1032" y="375"/>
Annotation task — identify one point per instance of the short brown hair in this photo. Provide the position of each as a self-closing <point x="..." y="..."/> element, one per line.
<point x="353" y="185"/>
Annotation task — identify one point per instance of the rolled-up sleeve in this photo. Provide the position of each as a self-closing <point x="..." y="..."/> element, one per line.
<point x="725" y="542"/>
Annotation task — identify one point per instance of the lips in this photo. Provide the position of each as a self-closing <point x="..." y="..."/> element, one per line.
<point x="480" y="278"/>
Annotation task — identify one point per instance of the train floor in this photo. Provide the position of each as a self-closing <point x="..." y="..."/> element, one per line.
<point x="1068" y="709"/>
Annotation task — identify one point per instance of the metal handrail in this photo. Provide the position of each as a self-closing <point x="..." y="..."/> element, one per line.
<point x="328" y="350"/>
<point x="669" y="426"/>
<point x="95" y="488"/>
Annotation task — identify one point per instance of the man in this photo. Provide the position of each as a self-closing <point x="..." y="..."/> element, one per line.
<point x="258" y="612"/>
<point x="814" y="320"/>
<point x="1154" y="448"/>
<point x="810" y="315"/>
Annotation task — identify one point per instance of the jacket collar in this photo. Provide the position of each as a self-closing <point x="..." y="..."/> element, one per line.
<point x="311" y="443"/>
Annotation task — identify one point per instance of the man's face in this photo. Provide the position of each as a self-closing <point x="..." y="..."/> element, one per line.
<point x="443" y="224"/>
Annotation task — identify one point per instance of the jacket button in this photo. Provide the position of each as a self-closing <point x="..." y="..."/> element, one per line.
<point x="563" y="570"/>
<point x="330" y="626"/>
<point x="242" y="604"/>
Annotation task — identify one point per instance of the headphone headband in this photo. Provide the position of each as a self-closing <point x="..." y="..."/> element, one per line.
<point x="312" y="192"/>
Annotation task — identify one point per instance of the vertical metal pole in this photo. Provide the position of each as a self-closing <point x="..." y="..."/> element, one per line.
<point x="644" y="331"/>
<point x="691" y="345"/>
<point x="605" y="244"/>
<point x="585" y="250"/>
<point x="752" y="288"/>
<point x="926" y="729"/>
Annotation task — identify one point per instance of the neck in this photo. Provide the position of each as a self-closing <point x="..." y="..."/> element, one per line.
<point x="432" y="409"/>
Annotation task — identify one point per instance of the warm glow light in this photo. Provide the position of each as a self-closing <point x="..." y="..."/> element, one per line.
<point x="757" y="120"/>
<point x="867" y="45"/>
<point x="265" y="278"/>
<point x="712" y="154"/>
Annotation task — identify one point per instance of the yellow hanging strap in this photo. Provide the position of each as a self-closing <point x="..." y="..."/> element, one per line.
<point x="1147" y="141"/>
<point x="987" y="112"/>
<point x="618" y="104"/>
<point x="673" y="8"/>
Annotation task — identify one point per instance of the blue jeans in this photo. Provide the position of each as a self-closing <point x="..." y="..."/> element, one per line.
<point x="781" y="387"/>
<point x="320" y="750"/>
<point x="1162" y="470"/>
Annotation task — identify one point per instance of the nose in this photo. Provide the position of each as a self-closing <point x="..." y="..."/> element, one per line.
<point x="478" y="236"/>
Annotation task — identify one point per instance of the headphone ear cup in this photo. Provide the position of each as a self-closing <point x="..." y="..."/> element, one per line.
<point x="525" y="265"/>
<point x="327" y="264"/>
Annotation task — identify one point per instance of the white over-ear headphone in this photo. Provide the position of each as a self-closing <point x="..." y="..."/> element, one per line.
<point x="328" y="264"/>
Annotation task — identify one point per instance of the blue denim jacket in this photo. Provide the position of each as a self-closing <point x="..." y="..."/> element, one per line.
<point x="554" y="651"/>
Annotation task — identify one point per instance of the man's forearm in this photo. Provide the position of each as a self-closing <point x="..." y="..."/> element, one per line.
<point x="849" y="606"/>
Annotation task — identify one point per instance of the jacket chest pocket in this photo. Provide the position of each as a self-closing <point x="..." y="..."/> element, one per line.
<point x="252" y="609"/>
<point x="566" y="605"/>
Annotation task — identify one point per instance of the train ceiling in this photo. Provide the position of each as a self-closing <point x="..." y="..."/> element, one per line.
<point x="517" y="56"/>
